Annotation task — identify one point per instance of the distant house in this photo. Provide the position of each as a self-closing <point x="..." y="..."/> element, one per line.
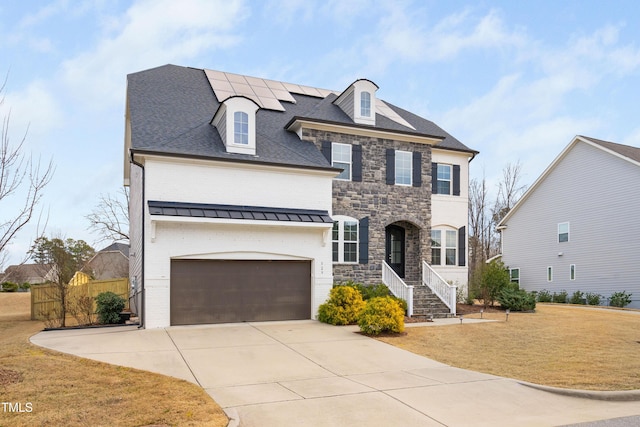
<point x="111" y="262"/>
<point x="28" y="273"/>
<point x="577" y="227"/>
<point x="251" y="197"/>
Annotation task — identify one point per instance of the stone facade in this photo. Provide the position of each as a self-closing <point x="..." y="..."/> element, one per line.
<point x="404" y="206"/>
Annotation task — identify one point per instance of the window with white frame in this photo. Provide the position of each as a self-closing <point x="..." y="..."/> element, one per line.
<point x="451" y="248"/>
<point x="365" y="104"/>
<point x="563" y="232"/>
<point x="404" y="167"/>
<point x="436" y="247"/>
<point x="444" y="252"/>
<point x="240" y="128"/>
<point x="345" y="240"/>
<point x="514" y="275"/>
<point x="341" y="158"/>
<point x="572" y="272"/>
<point x="549" y="274"/>
<point x="444" y="179"/>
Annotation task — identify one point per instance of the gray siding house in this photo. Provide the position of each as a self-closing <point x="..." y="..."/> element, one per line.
<point x="577" y="227"/>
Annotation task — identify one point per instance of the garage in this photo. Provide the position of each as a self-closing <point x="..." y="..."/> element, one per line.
<point x="224" y="291"/>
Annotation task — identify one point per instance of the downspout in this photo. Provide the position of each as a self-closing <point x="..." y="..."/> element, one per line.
<point x="142" y="290"/>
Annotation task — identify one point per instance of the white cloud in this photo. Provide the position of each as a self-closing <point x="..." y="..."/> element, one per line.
<point x="151" y="33"/>
<point x="33" y="108"/>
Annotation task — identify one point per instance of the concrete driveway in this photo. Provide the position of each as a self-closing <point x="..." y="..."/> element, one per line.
<point x="312" y="374"/>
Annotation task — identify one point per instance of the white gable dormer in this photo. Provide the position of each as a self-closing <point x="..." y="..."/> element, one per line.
<point x="359" y="102"/>
<point x="236" y="124"/>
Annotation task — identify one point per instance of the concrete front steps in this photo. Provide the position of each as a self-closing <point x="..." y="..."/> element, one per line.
<point x="427" y="304"/>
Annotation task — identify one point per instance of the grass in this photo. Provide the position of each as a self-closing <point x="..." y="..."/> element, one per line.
<point x="558" y="345"/>
<point x="71" y="391"/>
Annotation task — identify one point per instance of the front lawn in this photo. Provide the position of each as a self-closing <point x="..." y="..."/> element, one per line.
<point x="558" y="345"/>
<point x="47" y="388"/>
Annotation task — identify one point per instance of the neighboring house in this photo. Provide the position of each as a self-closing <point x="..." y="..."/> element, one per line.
<point x="111" y="262"/>
<point x="28" y="273"/>
<point x="251" y="197"/>
<point x="576" y="228"/>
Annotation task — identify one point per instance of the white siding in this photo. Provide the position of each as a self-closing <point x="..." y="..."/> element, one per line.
<point x="235" y="184"/>
<point x="597" y="193"/>
<point x="452" y="212"/>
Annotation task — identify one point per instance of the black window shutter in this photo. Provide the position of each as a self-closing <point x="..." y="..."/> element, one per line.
<point x="417" y="169"/>
<point x="434" y="178"/>
<point x="391" y="166"/>
<point x="364" y="241"/>
<point x="326" y="150"/>
<point x="462" y="246"/>
<point x="356" y="160"/>
<point x="456" y="180"/>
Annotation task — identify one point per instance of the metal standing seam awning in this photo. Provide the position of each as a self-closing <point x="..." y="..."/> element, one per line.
<point x="238" y="212"/>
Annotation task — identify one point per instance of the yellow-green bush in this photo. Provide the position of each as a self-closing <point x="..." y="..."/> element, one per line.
<point x="381" y="314"/>
<point x="343" y="306"/>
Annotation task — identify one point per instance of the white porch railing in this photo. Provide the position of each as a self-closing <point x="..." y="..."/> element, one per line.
<point x="397" y="286"/>
<point x="439" y="286"/>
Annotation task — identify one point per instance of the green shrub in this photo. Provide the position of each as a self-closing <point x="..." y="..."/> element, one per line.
<point x="560" y="297"/>
<point x="109" y="306"/>
<point x="577" y="298"/>
<point x="544" y="296"/>
<point x="25" y="286"/>
<point x="343" y="306"/>
<point x="517" y="299"/>
<point x="620" y="299"/>
<point x="9" y="287"/>
<point x="381" y="314"/>
<point x="368" y="292"/>
<point x="593" y="299"/>
<point x="488" y="280"/>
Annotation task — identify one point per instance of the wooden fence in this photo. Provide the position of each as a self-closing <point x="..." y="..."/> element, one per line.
<point x="45" y="300"/>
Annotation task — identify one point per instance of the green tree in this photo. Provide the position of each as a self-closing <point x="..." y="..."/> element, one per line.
<point x="490" y="280"/>
<point x="64" y="258"/>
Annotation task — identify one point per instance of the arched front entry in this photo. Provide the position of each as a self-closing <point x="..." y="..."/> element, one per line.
<point x="395" y="249"/>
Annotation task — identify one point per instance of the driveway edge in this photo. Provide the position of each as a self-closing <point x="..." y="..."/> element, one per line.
<point x="610" y="396"/>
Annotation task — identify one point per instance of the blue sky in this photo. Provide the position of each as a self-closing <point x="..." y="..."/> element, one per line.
<point x="514" y="80"/>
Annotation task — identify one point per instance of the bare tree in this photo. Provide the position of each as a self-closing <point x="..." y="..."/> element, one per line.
<point x="509" y="190"/>
<point x="484" y="216"/>
<point x="22" y="179"/>
<point x="110" y="218"/>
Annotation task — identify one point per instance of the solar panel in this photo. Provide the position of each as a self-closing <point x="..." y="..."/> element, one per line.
<point x="268" y="94"/>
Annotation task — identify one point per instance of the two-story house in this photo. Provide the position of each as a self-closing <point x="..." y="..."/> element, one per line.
<point x="251" y="197"/>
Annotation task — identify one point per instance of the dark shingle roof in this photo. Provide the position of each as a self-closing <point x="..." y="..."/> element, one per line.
<point x="626" y="150"/>
<point x="259" y="213"/>
<point x="171" y="108"/>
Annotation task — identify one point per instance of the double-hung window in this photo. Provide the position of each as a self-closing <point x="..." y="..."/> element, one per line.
<point x="436" y="247"/>
<point x="563" y="232"/>
<point x="341" y="158"/>
<point x="514" y="275"/>
<point x="444" y="179"/>
<point x="404" y="167"/>
<point x="345" y="240"/>
<point x="446" y="250"/>
<point x="240" y="128"/>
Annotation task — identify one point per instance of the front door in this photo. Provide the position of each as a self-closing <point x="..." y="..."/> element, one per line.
<point x="395" y="249"/>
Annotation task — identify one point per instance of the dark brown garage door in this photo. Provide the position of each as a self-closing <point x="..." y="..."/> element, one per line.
<point x="220" y="291"/>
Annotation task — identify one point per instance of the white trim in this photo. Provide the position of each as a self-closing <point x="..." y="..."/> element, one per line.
<point x="333" y="162"/>
<point x="258" y="223"/>
<point x="297" y="125"/>
<point x="341" y="219"/>
<point x="395" y="160"/>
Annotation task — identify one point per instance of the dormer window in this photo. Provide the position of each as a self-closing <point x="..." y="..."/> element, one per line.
<point x="365" y="104"/>
<point x="240" y="128"/>
<point x="235" y="121"/>
<point x="358" y="101"/>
